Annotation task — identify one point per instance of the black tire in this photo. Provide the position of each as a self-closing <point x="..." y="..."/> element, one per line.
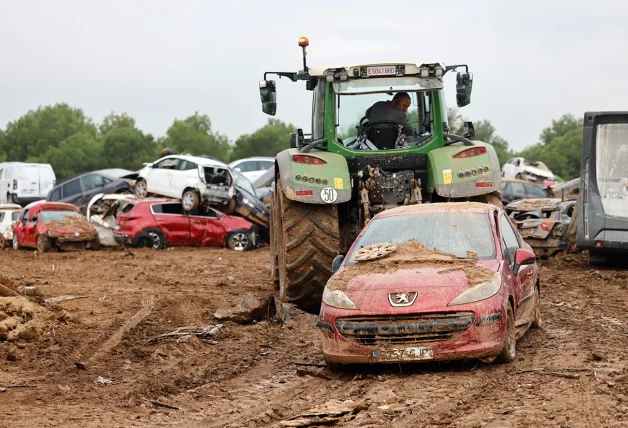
<point x="307" y="242"/>
<point x="274" y="254"/>
<point x="94" y="245"/>
<point x="44" y="245"/>
<point x="141" y="189"/>
<point x="509" y="351"/>
<point x="538" y="320"/>
<point x="16" y="242"/>
<point x="239" y="241"/>
<point x="3" y="242"/>
<point x="190" y="200"/>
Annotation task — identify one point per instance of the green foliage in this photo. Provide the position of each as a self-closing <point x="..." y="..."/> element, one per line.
<point x="266" y="141"/>
<point x="74" y="155"/>
<point x="560" y="147"/>
<point x="194" y="135"/>
<point x="127" y="147"/>
<point x="115" y="121"/>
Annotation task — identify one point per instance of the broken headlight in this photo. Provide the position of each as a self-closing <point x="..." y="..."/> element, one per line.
<point x="337" y="299"/>
<point x="478" y="292"/>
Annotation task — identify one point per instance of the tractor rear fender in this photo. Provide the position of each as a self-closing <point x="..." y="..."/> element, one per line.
<point x="324" y="179"/>
<point x="461" y="177"/>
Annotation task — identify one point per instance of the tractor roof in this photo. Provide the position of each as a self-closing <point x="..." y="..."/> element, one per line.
<point x="411" y="68"/>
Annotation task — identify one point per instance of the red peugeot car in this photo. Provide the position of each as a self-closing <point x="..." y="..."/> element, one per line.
<point x="436" y="281"/>
<point x="53" y="225"/>
<point x="156" y="223"/>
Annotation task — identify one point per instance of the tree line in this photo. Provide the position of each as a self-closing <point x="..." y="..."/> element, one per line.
<point x="72" y="143"/>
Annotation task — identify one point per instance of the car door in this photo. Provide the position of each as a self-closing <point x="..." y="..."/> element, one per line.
<point x="182" y="176"/>
<point x="523" y="281"/>
<point x="93" y="184"/>
<point x="72" y="191"/>
<point x="207" y="228"/>
<point x="173" y="222"/>
<point x="158" y="179"/>
<point x="30" y="229"/>
<point x="18" y="228"/>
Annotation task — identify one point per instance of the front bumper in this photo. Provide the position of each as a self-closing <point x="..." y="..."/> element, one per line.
<point x="467" y="332"/>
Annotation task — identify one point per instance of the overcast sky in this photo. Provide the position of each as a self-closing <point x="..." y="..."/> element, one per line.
<point x="160" y="60"/>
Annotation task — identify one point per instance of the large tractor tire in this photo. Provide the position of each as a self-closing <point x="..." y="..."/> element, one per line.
<point x="306" y="240"/>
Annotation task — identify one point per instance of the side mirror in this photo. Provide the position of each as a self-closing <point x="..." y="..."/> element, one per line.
<point x="464" y="84"/>
<point x="335" y="264"/>
<point x="523" y="257"/>
<point x="468" y="131"/>
<point x="268" y="95"/>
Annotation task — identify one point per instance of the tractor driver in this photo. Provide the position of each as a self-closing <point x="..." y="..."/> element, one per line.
<point x="394" y="111"/>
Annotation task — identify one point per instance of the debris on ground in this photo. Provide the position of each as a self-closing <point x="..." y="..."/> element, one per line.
<point x="59" y="299"/>
<point x="205" y="334"/>
<point x="103" y="380"/>
<point x="21" y="319"/>
<point x="329" y="413"/>
<point x="247" y="310"/>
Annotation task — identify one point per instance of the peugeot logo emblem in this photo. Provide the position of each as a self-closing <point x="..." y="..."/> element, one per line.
<point x="402" y="299"/>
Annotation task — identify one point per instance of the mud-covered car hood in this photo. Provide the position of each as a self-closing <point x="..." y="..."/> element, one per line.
<point x="539" y="204"/>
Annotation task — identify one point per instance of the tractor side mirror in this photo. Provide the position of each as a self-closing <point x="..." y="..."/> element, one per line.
<point x="268" y="95"/>
<point x="335" y="264"/>
<point x="468" y="131"/>
<point x="464" y="84"/>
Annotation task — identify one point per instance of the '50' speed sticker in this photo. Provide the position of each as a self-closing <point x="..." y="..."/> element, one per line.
<point x="329" y="195"/>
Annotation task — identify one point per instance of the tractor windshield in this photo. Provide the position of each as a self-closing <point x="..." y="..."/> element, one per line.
<point x="357" y="96"/>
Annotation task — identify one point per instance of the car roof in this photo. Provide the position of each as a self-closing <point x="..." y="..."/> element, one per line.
<point x="253" y="158"/>
<point x="196" y="159"/>
<point x="475" y="207"/>
<point x="10" y="207"/>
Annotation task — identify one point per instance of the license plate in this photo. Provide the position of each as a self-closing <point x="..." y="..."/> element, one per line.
<point x="388" y="70"/>
<point x="405" y="353"/>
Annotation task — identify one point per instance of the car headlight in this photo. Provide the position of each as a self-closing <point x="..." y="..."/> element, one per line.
<point x="337" y="299"/>
<point x="479" y="292"/>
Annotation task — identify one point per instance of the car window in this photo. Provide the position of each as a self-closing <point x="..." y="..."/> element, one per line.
<point x="264" y="165"/>
<point x="107" y="180"/>
<point x="209" y="213"/>
<point x="71" y="188"/>
<point x="173" y="208"/>
<point x="35" y="218"/>
<point x="92" y="181"/>
<point x="535" y="191"/>
<point x="503" y="186"/>
<point x="15" y="216"/>
<point x="56" y="194"/>
<point x="509" y="239"/>
<point x="517" y="188"/>
<point x="24" y="216"/>
<point x="167" y="164"/>
<point x="246" y="166"/>
<point x="185" y="165"/>
<point x="2" y="217"/>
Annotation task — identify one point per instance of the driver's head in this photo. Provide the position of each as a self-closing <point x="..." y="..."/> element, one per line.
<point x="402" y="101"/>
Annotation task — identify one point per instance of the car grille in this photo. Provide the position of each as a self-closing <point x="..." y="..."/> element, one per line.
<point x="411" y="329"/>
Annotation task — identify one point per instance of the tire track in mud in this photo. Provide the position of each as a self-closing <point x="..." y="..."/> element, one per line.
<point x="148" y="303"/>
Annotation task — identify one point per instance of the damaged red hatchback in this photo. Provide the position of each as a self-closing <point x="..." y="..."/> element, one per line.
<point x="431" y="282"/>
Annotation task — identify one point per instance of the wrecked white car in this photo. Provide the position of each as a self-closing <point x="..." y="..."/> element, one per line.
<point x="101" y="213"/>
<point x="8" y="215"/>
<point x="543" y="223"/>
<point x="522" y="169"/>
<point x="195" y="180"/>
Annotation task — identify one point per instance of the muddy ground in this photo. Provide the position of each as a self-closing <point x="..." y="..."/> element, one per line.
<point x="572" y="373"/>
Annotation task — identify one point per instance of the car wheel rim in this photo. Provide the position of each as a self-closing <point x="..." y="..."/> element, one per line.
<point x="141" y="190"/>
<point x="188" y="201"/>
<point x="240" y="241"/>
<point x="156" y="241"/>
<point x="15" y="242"/>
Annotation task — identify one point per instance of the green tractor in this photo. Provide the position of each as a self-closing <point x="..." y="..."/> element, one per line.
<point x="330" y="183"/>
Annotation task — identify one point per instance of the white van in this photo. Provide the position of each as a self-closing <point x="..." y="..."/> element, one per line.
<point x="22" y="183"/>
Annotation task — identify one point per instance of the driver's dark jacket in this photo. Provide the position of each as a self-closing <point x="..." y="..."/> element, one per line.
<point x="386" y="111"/>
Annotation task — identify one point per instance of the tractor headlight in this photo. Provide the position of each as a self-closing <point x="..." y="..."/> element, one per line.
<point x="337" y="299"/>
<point x="479" y="292"/>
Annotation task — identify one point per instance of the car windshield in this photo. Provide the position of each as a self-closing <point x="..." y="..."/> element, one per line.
<point x="243" y="182"/>
<point x="57" y="215"/>
<point x="455" y="233"/>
